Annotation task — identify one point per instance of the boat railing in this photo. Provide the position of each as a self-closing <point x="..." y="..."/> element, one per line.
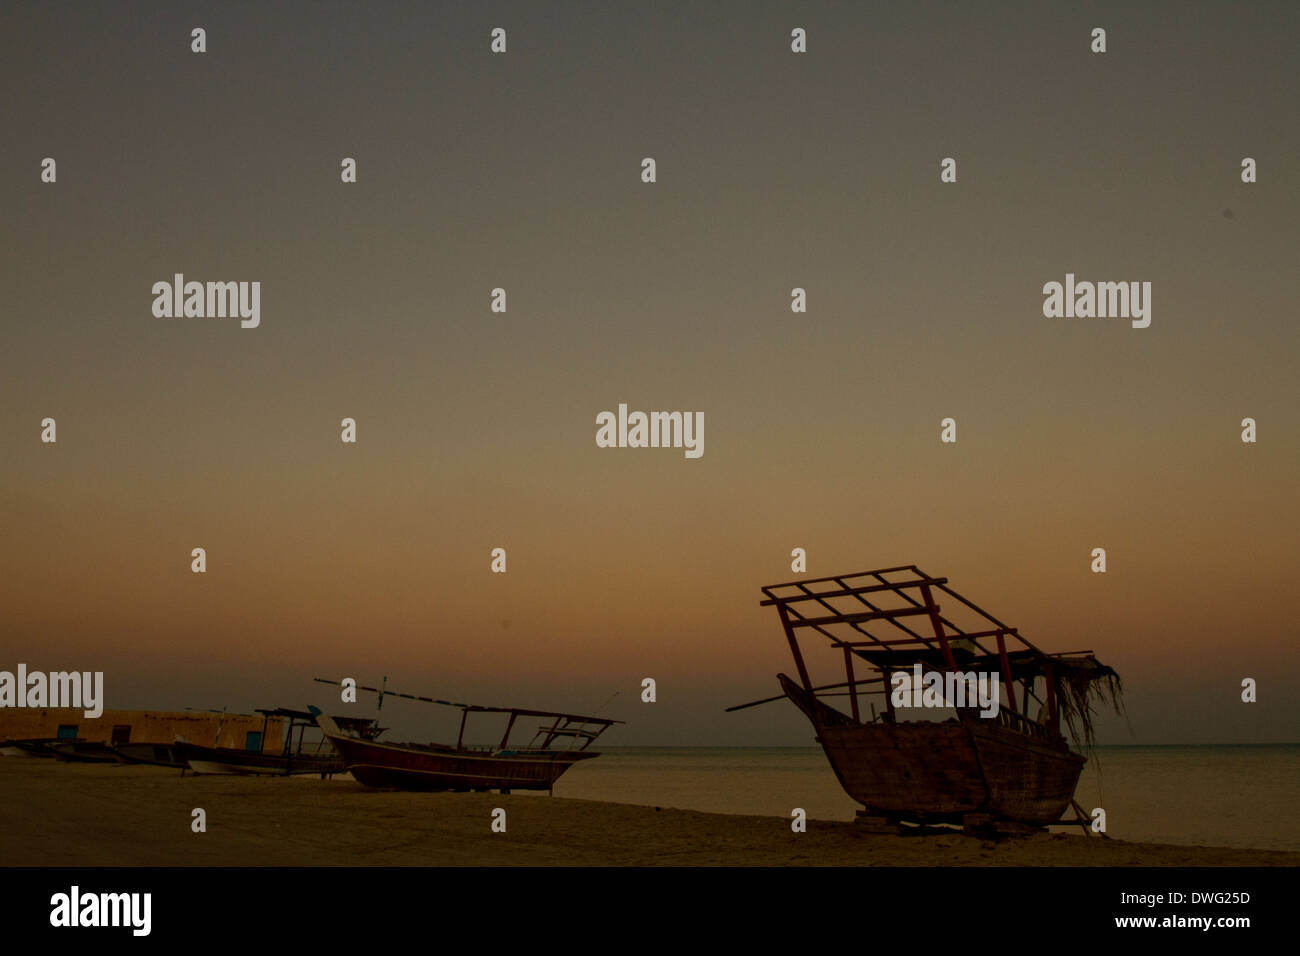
<point x="1022" y="724"/>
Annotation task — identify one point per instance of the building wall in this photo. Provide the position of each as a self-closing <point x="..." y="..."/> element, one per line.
<point x="147" y="726"/>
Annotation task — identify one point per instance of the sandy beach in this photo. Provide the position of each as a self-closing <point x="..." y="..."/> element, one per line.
<point x="119" y="815"/>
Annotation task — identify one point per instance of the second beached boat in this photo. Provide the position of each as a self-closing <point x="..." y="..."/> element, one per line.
<point x="560" y="742"/>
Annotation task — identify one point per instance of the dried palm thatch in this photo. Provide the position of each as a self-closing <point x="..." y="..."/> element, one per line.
<point x="1084" y="685"/>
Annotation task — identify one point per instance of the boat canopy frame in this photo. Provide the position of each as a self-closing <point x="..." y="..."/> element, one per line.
<point x="564" y="725"/>
<point x="850" y="610"/>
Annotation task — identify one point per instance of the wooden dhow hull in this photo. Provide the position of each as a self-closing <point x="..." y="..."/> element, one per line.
<point x="431" y="767"/>
<point x="942" y="772"/>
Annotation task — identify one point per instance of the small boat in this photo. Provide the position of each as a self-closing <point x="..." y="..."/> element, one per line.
<point x="202" y="759"/>
<point x="160" y="755"/>
<point x="32" y="747"/>
<point x="971" y="762"/>
<point x="291" y="760"/>
<point x="554" y="748"/>
<point x="82" y="751"/>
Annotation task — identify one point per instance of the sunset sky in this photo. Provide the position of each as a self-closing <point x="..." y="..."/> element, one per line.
<point x="477" y="429"/>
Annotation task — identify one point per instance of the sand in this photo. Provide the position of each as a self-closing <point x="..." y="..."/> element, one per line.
<point x="120" y="815"/>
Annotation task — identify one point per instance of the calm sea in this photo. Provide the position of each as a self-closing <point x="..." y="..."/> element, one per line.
<point x="1238" y="796"/>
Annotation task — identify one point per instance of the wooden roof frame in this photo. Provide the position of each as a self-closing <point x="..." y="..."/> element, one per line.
<point x="576" y="726"/>
<point x="944" y="646"/>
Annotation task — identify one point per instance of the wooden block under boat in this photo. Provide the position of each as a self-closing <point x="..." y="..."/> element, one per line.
<point x="875" y="823"/>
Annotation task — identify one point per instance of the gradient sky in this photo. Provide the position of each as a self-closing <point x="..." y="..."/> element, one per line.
<point x="476" y="429"/>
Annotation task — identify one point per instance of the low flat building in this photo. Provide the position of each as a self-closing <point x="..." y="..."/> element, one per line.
<point x="240" y="731"/>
